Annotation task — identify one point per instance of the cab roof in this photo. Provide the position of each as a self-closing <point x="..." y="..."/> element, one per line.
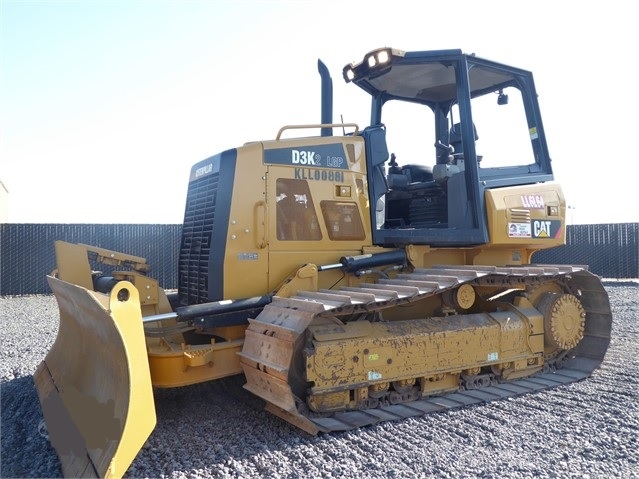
<point x="426" y="76"/>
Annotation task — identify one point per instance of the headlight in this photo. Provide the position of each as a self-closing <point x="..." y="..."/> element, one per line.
<point x="374" y="62"/>
<point x="383" y="56"/>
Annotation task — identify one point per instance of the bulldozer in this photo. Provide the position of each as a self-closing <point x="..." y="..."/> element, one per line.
<point x="352" y="275"/>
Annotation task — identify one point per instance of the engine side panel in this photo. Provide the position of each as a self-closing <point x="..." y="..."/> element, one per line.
<point x="530" y="216"/>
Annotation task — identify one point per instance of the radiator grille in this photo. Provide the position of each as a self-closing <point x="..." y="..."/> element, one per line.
<point x="195" y="249"/>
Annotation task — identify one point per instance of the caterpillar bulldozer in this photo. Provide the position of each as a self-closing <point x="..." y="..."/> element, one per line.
<point x="352" y="278"/>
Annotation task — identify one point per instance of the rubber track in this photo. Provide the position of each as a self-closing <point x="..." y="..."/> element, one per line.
<point x="407" y="288"/>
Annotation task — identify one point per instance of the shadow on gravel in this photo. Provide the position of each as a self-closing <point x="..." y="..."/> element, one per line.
<point x="26" y="451"/>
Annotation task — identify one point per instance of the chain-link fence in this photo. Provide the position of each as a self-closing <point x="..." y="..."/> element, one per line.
<point x="27" y="256"/>
<point x="610" y="250"/>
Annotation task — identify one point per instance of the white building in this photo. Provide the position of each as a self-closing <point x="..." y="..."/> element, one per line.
<point x="4" y="203"/>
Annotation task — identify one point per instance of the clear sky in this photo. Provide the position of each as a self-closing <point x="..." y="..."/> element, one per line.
<point x="105" y="105"/>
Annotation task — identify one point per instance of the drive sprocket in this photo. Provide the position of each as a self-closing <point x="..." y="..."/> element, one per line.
<point x="564" y="320"/>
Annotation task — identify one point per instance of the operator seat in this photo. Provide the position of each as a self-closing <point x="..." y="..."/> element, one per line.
<point x="455" y="138"/>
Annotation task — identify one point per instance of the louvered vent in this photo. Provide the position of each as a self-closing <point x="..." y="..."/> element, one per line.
<point x="199" y="218"/>
<point x="518" y="215"/>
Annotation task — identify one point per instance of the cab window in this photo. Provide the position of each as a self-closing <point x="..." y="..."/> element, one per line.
<point x="342" y="220"/>
<point x="295" y="212"/>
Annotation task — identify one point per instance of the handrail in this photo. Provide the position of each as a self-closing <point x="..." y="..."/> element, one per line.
<point x="326" y="125"/>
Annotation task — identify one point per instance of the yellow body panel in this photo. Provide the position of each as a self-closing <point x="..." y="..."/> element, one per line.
<point x="173" y="366"/>
<point x="255" y="260"/>
<point x="528" y="216"/>
<point x="246" y="254"/>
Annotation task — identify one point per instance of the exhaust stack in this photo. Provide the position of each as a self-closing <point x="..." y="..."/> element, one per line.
<point x="327" y="97"/>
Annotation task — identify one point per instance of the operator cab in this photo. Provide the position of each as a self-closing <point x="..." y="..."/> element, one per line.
<point x="427" y="109"/>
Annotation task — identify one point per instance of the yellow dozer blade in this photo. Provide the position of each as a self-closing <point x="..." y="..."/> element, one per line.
<point x="94" y="384"/>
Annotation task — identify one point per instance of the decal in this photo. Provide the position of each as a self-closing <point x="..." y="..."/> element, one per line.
<point x="493" y="356"/>
<point x="546" y="228"/>
<point x="535" y="202"/>
<point x="373" y="357"/>
<point x="305" y="158"/>
<point x="319" y="175"/>
<point x="324" y="156"/>
<point x="203" y="170"/>
<point x="533" y="133"/>
<point x="373" y="375"/>
<point x="247" y="256"/>
<point x="519" y="230"/>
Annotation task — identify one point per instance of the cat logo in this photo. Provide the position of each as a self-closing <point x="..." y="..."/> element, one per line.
<point x="542" y="229"/>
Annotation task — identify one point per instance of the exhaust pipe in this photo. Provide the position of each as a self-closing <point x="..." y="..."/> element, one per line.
<point x="327" y="97"/>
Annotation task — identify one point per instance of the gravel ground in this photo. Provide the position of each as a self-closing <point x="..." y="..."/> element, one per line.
<point x="588" y="429"/>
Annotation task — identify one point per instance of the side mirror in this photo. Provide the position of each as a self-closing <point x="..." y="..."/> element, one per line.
<point x="502" y="99"/>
